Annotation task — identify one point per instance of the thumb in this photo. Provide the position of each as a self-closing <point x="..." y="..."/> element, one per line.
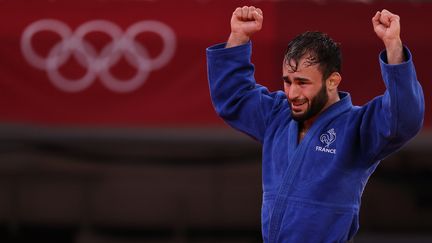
<point x="258" y="17"/>
<point x="376" y="19"/>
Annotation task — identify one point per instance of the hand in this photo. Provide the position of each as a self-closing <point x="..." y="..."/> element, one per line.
<point x="245" y="22"/>
<point x="387" y="28"/>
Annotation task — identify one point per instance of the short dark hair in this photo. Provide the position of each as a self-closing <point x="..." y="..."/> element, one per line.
<point x="322" y="50"/>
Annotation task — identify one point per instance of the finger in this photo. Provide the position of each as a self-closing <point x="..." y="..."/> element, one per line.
<point x="238" y="12"/>
<point x="258" y="18"/>
<point x="385" y="17"/>
<point x="259" y="11"/>
<point x="375" y="18"/>
<point x="391" y="20"/>
<point x="395" y="23"/>
<point x="390" y="16"/>
<point x="251" y="12"/>
<point x="245" y="10"/>
<point x="394" y="17"/>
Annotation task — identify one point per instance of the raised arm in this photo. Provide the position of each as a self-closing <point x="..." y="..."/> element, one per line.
<point x="387" y="28"/>
<point x="391" y="120"/>
<point x="236" y="97"/>
<point x="245" y="22"/>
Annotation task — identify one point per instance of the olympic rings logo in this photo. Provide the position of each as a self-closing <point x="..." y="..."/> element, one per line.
<point x="123" y="44"/>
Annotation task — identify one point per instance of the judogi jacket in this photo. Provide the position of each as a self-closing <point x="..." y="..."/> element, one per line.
<point x="312" y="189"/>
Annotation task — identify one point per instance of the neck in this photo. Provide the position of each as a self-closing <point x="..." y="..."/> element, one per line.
<point x="333" y="98"/>
<point x="304" y="126"/>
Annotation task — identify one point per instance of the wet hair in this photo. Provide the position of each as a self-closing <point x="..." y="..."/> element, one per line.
<point x="318" y="48"/>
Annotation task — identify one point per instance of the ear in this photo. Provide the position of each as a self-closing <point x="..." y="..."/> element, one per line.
<point x="333" y="81"/>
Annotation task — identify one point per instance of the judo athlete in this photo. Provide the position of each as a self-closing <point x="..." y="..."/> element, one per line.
<point x="318" y="148"/>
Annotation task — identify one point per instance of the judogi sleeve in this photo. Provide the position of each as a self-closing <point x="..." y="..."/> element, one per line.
<point x="236" y="97"/>
<point x="391" y="120"/>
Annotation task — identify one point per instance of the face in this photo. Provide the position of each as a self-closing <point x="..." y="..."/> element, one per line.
<point x="305" y="89"/>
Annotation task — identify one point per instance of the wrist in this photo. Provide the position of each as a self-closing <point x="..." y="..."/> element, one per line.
<point x="394" y="51"/>
<point x="236" y="39"/>
<point x="391" y="44"/>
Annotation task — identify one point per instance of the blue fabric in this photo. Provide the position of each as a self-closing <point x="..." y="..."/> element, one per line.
<point x="312" y="190"/>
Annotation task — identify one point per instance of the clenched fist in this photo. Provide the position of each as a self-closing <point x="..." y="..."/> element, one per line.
<point x="387" y="27"/>
<point x="245" y="21"/>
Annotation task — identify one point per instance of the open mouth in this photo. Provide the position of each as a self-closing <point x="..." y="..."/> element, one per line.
<point x="298" y="106"/>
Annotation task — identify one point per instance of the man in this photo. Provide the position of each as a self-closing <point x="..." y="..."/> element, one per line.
<point x="318" y="149"/>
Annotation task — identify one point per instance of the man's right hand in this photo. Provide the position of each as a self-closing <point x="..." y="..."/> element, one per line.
<point x="245" y="22"/>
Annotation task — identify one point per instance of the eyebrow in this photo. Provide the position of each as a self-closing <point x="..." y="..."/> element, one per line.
<point x="286" y="79"/>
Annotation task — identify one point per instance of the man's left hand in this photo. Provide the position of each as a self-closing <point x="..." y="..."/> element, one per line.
<point x="387" y="28"/>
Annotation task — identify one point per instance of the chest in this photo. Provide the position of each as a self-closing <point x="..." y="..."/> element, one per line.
<point x="306" y="155"/>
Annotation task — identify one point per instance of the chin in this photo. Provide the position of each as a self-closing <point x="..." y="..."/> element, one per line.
<point x="298" y="117"/>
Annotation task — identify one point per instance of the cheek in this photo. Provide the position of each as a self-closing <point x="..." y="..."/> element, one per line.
<point x="311" y="92"/>
<point x="286" y="89"/>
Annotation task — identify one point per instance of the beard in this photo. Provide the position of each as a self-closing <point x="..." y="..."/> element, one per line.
<point x="314" y="107"/>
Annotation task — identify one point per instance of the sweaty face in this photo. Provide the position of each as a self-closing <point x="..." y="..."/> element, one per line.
<point x="305" y="89"/>
<point x="312" y="107"/>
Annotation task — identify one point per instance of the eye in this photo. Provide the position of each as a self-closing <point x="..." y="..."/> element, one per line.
<point x="286" y="81"/>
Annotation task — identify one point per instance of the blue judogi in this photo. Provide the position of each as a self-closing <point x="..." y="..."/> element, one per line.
<point x="312" y="189"/>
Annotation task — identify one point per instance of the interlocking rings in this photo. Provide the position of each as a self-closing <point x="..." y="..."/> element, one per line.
<point x="98" y="64"/>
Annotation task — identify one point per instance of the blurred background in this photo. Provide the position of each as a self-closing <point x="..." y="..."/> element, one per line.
<point x="108" y="135"/>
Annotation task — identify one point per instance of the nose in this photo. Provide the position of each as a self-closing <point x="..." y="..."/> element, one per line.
<point x="293" y="91"/>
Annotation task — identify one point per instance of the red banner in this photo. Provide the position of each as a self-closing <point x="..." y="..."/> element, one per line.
<point x="142" y="63"/>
